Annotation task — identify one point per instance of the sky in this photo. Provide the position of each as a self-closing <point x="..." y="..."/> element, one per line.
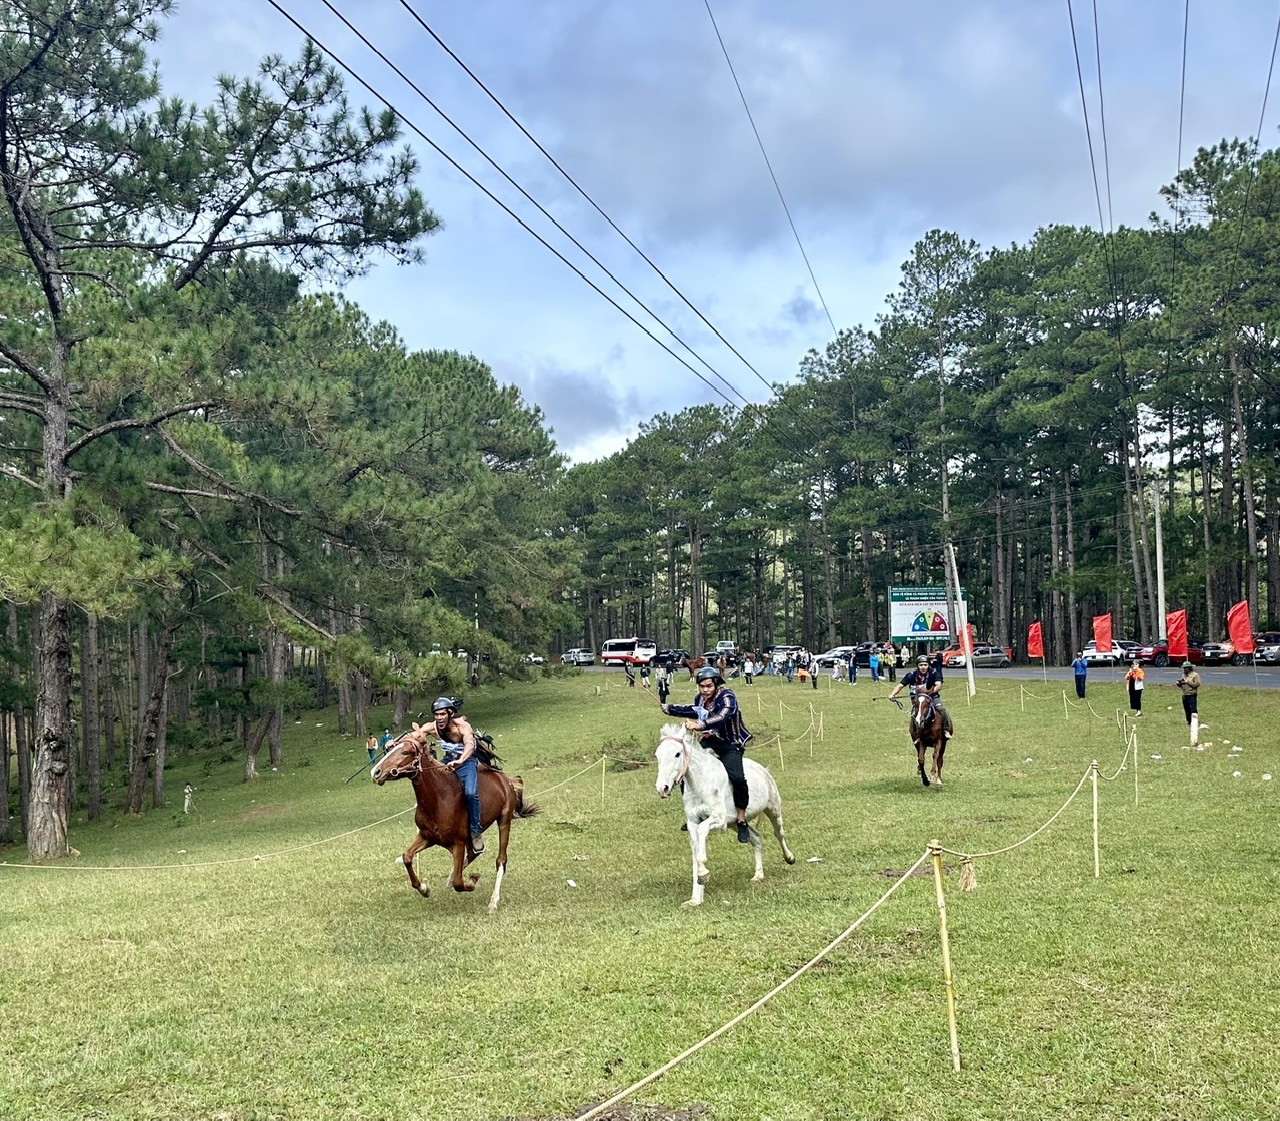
<point x="880" y="121"/>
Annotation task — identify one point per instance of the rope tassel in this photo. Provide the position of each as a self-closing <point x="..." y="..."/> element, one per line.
<point x="968" y="878"/>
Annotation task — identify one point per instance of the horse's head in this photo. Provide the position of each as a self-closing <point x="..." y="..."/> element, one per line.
<point x="403" y="758"/>
<point x="921" y="709"/>
<point x="673" y="757"/>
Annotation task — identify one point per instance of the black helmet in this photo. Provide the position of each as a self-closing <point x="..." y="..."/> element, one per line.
<point x="443" y="703"/>
<point x="708" y="673"/>
<point x="923" y="660"/>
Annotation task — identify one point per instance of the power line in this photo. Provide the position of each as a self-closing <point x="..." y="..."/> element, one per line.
<point x="591" y="201"/>
<point x="776" y="186"/>
<point x="520" y="221"/>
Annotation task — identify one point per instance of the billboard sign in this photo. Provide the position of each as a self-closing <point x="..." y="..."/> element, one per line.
<point x="921" y="614"/>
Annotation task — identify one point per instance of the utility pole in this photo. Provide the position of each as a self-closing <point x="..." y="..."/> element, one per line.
<point x="1162" y="620"/>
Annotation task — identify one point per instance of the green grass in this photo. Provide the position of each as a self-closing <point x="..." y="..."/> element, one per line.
<point x="318" y="985"/>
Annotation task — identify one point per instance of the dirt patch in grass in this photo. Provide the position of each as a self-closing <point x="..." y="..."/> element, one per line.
<point x="626" y="1112"/>
<point x="256" y="813"/>
<point x="925" y="870"/>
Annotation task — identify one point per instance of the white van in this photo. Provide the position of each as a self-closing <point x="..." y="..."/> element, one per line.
<point x="628" y="651"/>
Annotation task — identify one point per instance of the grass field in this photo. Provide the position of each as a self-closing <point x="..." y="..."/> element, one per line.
<point x="198" y="982"/>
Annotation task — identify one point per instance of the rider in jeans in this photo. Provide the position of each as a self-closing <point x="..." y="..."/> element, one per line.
<point x="929" y="679"/>
<point x="458" y="741"/>
<point x="715" y="714"/>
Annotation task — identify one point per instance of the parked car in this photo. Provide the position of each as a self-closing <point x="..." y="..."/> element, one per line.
<point x="534" y="660"/>
<point x="1157" y="653"/>
<point x="1268" y="655"/>
<point x="984" y="657"/>
<point x="728" y="649"/>
<point x="670" y="658"/>
<point x="579" y="656"/>
<point x="828" y="658"/>
<point x="1096" y="657"/>
<point x="779" y="654"/>
<point x="1217" y="653"/>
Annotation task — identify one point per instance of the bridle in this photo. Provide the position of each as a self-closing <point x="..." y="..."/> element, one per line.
<point x="925" y="698"/>
<point x="684" y="759"/>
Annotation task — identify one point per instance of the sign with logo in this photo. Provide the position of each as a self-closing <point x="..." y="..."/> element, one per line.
<point x="921" y="614"/>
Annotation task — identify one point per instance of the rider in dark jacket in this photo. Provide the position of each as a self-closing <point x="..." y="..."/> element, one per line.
<point x="929" y="679"/>
<point x="716" y="715"/>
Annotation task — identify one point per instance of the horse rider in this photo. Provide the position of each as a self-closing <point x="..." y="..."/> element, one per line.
<point x="928" y="679"/>
<point x="458" y="741"/>
<point x="715" y="714"/>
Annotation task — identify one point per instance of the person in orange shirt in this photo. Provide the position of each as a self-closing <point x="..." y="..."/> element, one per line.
<point x="1134" y="679"/>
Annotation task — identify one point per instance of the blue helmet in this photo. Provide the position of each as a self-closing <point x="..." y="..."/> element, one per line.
<point x="708" y="673"/>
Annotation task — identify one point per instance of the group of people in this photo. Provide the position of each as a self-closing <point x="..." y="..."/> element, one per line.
<point x="1135" y="680"/>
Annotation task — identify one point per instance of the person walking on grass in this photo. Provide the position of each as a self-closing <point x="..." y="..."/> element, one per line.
<point x="1189" y="684"/>
<point x="1135" y="679"/>
<point x="1080" y="669"/>
<point x="715" y="714"/>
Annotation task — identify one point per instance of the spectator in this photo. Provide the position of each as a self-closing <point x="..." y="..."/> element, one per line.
<point x="644" y="675"/>
<point x="873" y="664"/>
<point x="631" y="674"/>
<point x="791" y="668"/>
<point x="372" y="745"/>
<point x="748" y="669"/>
<point x="1080" y="668"/>
<point x="851" y="664"/>
<point x="1134" y="679"/>
<point x="1189" y="683"/>
<point x="887" y="661"/>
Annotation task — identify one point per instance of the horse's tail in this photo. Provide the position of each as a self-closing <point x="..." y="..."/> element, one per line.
<point x="523" y="809"/>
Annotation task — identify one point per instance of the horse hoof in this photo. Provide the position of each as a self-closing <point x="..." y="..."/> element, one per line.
<point x="757" y="878"/>
<point x="689" y="904"/>
<point x="790" y="858"/>
<point x="424" y="891"/>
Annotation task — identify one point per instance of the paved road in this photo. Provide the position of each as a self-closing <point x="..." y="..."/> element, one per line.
<point x="1266" y="677"/>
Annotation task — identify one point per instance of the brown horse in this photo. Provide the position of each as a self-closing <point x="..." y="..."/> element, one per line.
<point x="693" y="665"/>
<point x="441" y="816"/>
<point x="928" y="732"/>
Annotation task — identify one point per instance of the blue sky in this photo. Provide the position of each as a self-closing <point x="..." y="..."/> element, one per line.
<point x="882" y="121"/>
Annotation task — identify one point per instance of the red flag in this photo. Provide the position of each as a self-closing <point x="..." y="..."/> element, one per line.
<point x="1176" y="627"/>
<point x="1239" y="628"/>
<point x="1102" y="633"/>
<point x="966" y="639"/>
<point x="1035" y="641"/>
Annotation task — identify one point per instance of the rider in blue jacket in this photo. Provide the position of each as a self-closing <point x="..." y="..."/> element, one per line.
<point x="716" y="715"/>
<point x="929" y="679"/>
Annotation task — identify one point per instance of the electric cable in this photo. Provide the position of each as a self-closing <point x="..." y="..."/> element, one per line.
<point x="769" y="165"/>
<point x="591" y="201"/>
<point x="516" y="217"/>
<point x="551" y="218"/>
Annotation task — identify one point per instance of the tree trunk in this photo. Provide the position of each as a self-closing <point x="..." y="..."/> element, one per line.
<point x="1250" y="509"/>
<point x="255" y="745"/>
<point x="162" y="749"/>
<point x="21" y="744"/>
<point x="92" y="718"/>
<point x="149" y="725"/>
<point x="50" y="778"/>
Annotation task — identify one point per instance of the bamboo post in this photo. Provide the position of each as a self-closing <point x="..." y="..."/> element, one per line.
<point x="604" y="762"/>
<point x="810" y="739"/>
<point x="782" y="763"/>
<point x="780" y="708"/>
<point x="1096" y="869"/>
<point x="935" y="847"/>
<point x="1066" y="715"/>
<point x="1022" y="697"/>
<point x="1044" y="669"/>
<point x="1195" y="728"/>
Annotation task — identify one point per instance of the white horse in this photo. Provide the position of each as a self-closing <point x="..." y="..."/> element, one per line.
<point x="708" y="799"/>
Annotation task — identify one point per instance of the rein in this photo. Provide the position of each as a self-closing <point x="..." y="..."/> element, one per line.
<point x="684" y="765"/>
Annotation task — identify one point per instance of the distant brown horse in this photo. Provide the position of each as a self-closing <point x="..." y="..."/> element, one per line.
<point x="441" y="816"/>
<point x="693" y="665"/>
<point x="928" y="732"/>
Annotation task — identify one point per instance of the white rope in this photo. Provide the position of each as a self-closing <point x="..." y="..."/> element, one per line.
<point x="596" y="1111"/>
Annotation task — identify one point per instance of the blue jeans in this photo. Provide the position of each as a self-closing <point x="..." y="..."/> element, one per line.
<point x="468" y="775"/>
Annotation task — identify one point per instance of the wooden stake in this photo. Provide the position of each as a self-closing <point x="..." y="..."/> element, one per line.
<point x="1094" y="770"/>
<point x="935" y="847"/>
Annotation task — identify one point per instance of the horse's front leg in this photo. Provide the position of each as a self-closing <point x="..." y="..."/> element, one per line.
<point x="757" y="847"/>
<point x="459" y="862"/>
<point x="698" y="855"/>
<point x="939" y="749"/>
<point x="504" y="832"/>
<point x="406" y="858"/>
<point x="920" y="750"/>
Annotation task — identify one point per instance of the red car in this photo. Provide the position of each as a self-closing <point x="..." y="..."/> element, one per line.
<point x="1157" y="654"/>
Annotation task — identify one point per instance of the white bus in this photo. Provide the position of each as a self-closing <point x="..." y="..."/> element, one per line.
<point x="633" y="651"/>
